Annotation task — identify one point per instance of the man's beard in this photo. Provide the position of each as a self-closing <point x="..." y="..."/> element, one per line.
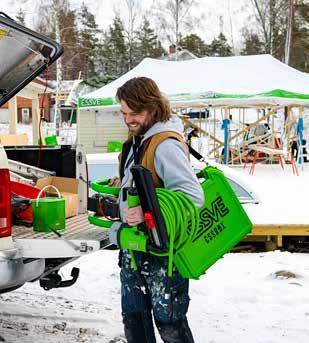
<point x="143" y="128"/>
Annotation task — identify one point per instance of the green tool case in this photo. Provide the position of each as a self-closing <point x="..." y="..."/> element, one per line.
<point x="223" y="223"/>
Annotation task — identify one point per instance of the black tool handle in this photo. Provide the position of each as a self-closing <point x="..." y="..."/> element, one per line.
<point x="150" y="204"/>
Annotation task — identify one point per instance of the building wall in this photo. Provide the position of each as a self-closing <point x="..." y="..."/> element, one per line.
<point x="27" y="103"/>
<point x="4" y="116"/>
<point x="95" y="128"/>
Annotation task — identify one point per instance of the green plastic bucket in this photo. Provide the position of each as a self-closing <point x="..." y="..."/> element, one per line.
<point x="48" y="213"/>
<point x="223" y="224"/>
<point x="114" y="146"/>
<point x="51" y="140"/>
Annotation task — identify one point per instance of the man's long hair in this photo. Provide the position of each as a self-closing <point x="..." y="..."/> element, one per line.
<point x="142" y="93"/>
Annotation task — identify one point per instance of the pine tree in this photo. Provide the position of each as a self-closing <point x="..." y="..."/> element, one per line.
<point x="59" y="22"/>
<point x="299" y="57"/>
<point x="147" y="43"/>
<point x="220" y="47"/>
<point x="114" y="50"/>
<point x="194" y="44"/>
<point x="71" y="59"/>
<point x="252" y="44"/>
<point x="89" y="46"/>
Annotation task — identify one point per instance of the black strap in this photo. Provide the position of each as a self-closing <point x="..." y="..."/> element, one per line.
<point x="124" y="155"/>
<point x="136" y="146"/>
<point x="137" y="154"/>
<point x="195" y="154"/>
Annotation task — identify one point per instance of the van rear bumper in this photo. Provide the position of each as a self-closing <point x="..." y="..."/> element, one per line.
<point x="15" y="271"/>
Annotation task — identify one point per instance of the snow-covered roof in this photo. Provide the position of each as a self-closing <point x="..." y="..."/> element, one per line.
<point x="238" y="80"/>
<point x="181" y="55"/>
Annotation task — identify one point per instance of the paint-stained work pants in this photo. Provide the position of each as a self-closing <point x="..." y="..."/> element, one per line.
<point x="138" y="305"/>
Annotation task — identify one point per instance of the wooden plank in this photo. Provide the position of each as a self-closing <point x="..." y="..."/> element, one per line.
<point x="289" y="129"/>
<point x="266" y="150"/>
<point x="280" y="230"/>
<point x="194" y="126"/>
<point x="6" y="140"/>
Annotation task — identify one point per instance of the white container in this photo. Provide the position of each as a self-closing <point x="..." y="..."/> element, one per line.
<point x="103" y="165"/>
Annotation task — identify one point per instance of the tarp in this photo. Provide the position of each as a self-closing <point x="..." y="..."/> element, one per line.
<point x="237" y="80"/>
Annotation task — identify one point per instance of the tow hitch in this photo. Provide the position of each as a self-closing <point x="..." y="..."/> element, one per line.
<point x="54" y="280"/>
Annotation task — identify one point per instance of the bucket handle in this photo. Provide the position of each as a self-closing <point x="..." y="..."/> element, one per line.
<point x="42" y="190"/>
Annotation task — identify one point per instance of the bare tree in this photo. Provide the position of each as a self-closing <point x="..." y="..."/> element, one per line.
<point x="134" y="10"/>
<point x="271" y="16"/>
<point x="175" y="18"/>
<point x="130" y="14"/>
<point x="289" y="32"/>
<point x="231" y="25"/>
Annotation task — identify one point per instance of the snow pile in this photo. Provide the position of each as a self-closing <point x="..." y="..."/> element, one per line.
<point x="240" y="299"/>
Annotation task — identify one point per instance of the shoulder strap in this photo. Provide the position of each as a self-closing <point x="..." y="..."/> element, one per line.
<point x="123" y="156"/>
<point x="148" y="152"/>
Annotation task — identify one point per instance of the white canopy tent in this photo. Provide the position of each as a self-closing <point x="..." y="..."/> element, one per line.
<point x="237" y="80"/>
<point x="259" y="81"/>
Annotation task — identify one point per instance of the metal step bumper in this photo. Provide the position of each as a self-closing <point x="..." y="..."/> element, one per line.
<point x="79" y="238"/>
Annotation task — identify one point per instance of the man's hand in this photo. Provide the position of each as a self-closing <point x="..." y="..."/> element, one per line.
<point x="134" y="215"/>
<point x="115" y="182"/>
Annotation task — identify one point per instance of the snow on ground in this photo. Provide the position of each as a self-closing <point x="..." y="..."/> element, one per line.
<point x="283" y="194"/>
<point x="256" y="298"/>
<point x="242" y="298"/>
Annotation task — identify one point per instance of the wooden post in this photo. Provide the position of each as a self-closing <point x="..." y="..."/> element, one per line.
<point x="273" y="136"/>
<point x="35" y="120"/>
<point x="302" y="110"/>
<point x="273" y="125"/>
<point x="239" y="115"/>
<point x="13" y="116"/>
<point x="279" y="241"/>
<point x="289" y="130"/>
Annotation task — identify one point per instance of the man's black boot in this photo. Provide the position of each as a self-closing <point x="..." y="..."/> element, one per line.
<point x="138" y="329"/>
<point x="178" y="332"/>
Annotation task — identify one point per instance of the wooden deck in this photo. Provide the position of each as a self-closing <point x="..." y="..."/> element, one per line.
<point x="278" y="231"/>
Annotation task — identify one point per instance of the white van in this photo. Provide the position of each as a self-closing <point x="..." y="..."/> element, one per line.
<point x="26" y="255"/>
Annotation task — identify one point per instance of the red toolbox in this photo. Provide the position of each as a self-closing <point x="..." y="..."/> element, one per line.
<point x="27" y="192"/>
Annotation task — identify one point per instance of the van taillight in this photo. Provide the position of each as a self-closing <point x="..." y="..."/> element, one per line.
<point x="5" y="204"/>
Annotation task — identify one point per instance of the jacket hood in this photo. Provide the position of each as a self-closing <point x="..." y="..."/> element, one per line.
<point x="173" y="124"/>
